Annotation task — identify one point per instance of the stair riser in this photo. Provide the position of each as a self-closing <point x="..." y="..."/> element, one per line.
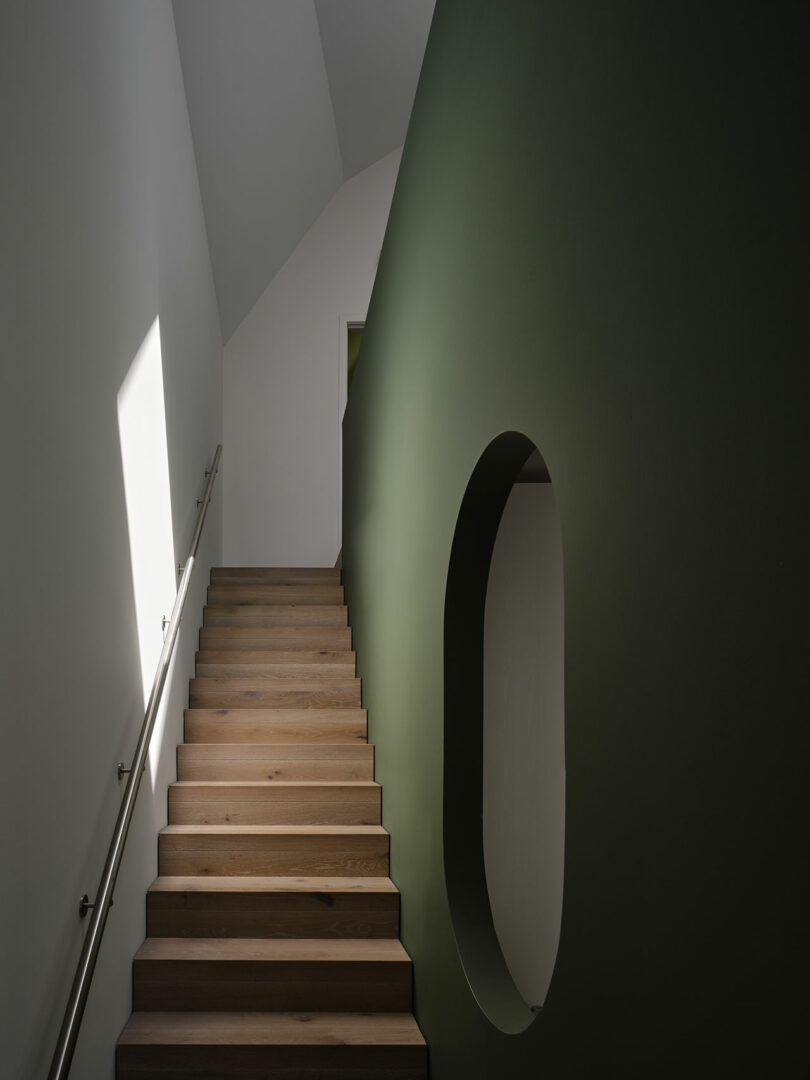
<point x="316" y="669"/>
<point x="259" y="986"/>
<point x="275" y="594"/>
<point x="209" y="1062"/>
<point x="283" y="639"/>
<point x="278" y="696"/>
<point x="283" y="575"/>
<point x="275" y="616"/>
<point x="269" y="855"/>
<point x="228" y="762"/>
<point x="340" y="662"/>
<point x="240" y="726"/>
<point x="319" y="915"/>
<point x="307" y="805"/>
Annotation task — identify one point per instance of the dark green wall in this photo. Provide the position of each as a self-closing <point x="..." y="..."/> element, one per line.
<point x="599" y="237"/>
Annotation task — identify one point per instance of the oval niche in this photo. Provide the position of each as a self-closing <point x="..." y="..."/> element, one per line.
<point x="504" y="765"/>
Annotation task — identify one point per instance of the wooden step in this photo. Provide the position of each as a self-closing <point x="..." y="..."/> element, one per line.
<point x="283" y="638"/>
<point x="275" y="575"/>
<point x="231" y="692"/>
<point x="271" y="615"/>
<point x="277" y="802"/>
<point x="262" y="974"/>
<point x="271" y="850"/>
<point x="309" y="907"/>
<point x="315" y="665"/>
<point x="273" y="905"/>
<point x="318" y="595"/>
<point x="283" y="726"/>
<point x="304" y="761"/>
<point x="271" y="1046"/>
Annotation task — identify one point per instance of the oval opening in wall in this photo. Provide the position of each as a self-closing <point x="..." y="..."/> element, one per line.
<point x="504" y="766"/>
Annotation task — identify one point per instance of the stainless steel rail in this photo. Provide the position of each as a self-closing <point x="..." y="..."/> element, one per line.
<point x="60" y="1066"/>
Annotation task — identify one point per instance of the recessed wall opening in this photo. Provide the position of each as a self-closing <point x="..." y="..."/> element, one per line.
<point x="504" y="768"/>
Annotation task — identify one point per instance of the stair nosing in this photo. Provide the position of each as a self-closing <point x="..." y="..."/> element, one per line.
<point x="168" y="884"/>
<point x="260" y="950"/>
<point x="270" y="830"/>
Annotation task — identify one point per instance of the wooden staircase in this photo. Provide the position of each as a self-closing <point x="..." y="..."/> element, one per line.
<point x="272" y="948"/>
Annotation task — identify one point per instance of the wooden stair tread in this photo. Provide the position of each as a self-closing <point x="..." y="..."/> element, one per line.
<point x="275" y="830"/>
<point x="291" y="589"/>
<point x="262" y="682"/>
<point x="269" y="950"/>
<point x="277" y="713"/>
<point x="267" y="784"/>
<point x="277" y="1028"/>
<point x="277" y="884"/>
<point x="327" y="657"/>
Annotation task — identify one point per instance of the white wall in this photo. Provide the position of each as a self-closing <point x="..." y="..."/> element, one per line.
<point x="282" y="384"/>
<point x="102" y="232"/>
<point x="524" y="737"/>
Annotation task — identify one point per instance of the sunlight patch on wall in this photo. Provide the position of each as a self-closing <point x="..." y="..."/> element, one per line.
<point x="145" y="461"/>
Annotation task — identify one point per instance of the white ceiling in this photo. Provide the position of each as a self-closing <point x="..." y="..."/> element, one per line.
<point x="287" y="99"/>
<point x="373" y="51"/>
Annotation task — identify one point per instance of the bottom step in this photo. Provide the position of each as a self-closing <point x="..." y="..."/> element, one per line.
<point x="282" y="1046"/>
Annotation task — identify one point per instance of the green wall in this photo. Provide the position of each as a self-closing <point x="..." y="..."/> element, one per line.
<point x="599" y="238"/>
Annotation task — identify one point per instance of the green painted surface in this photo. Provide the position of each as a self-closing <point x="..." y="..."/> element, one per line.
<point x="599" y="238"/>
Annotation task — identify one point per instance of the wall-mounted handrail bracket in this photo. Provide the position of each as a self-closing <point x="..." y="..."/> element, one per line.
<point x="122" y="769"/>
<point x="85" y="905"/>
<point x="69" y="1033"/>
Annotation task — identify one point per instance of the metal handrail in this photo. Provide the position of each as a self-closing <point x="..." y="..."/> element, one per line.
<point x="69" y="1033"/>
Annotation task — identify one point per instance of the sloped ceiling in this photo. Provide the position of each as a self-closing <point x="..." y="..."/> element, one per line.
<point x="373" y="51"/>
<point x="287" y="99"/>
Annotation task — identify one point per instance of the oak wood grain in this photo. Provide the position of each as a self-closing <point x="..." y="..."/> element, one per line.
<point x="279" y="614"/>
<point x="275" y="725"/>
<point x="324" y="974"/>
<point x="275" y="594"/>
<point x="295" y="761"/>
<point x="215" y="850"/>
